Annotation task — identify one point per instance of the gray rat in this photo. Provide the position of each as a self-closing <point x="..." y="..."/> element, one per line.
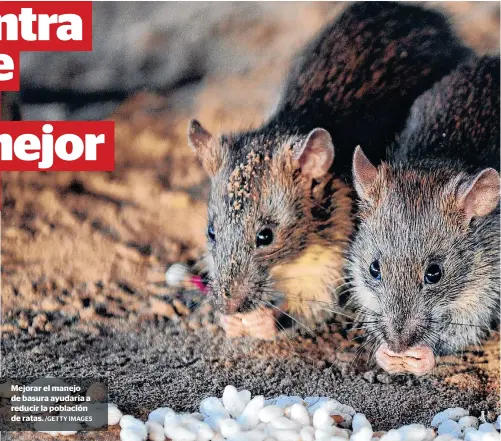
<point x="425" y="258"/>
<point x="280" y="208"/>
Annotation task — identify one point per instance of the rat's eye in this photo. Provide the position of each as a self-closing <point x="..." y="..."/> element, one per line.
<point x="211" y="234"/>
<point x="375" y="270"/>
<point x="433" y="274"/>
<point x="264" y="237"/>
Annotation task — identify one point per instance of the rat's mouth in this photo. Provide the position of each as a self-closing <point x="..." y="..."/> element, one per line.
<point x="417" y="360"/>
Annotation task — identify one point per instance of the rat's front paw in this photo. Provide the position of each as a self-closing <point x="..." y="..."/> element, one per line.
<point x="259" y="323"/>
<point x="418" y="360"/>
<point x="232" y="325"/>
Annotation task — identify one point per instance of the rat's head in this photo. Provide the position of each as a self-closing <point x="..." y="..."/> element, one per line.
<point x="261" y="209"/>
<point x="417" y="263"/>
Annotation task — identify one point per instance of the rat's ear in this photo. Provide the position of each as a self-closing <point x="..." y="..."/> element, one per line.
<point x="205" y="146"/>
<point x="480" y="195"/>
<point x="364" y="173"/>
<point x="315" y="154"/>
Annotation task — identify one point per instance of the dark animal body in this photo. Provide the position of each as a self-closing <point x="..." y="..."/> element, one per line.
<point x="425" y="260"/>
<point x="360" y="76"/>
<point x="280" y="207"/>
<point x="10" y="106"/>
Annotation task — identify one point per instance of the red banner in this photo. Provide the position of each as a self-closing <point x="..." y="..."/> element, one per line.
<point x="45" y="26"/>
<point x="57" y="146"/>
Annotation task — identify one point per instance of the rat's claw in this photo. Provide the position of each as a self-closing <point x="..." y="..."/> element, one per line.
<point x="232" y="326"/>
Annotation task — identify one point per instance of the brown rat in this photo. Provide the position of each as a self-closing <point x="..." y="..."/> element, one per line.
<point x="425" y="259"/>
<point x="280" y="210"/>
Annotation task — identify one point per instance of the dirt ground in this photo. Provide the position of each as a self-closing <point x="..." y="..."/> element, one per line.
<point x="84" y="256"/>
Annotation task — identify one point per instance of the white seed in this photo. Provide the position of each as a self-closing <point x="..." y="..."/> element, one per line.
<point x="321" y="419"/>
<point x="172" y="419"/>
<point x="490" y="436"/>
<point x="314" y="403"/>
<point x="299" y="414"/>
<point x="286" y="401"/>
<point x="131" y="434"/>
<point x="249" y="418"/>
<point x="359" y="422"/>
<point x="468" y="421"/>
<point x="486" y="427"/>
<point x="179" y="433"/>
<point x="197" y="415"/>
<point x="307" y="433"/>
<point x="269" y="413"/>
<point x="413" y="432"/>
<point x="158" y="415"/>
<point x="430" y="434"/>
<point x="363" y="434"/>
<point x="471" y="434"/>
<point x="391" y="435"/>
<point x="329" y="405"/>
<point x="245" y="396"/>
<point x="233" y="402"/>
<point x="129" y="422"/>
<point x="155" y="431"/>
<point x="450" y="427"/>
<point x="200" y="428"/>
<point x="213" y="406"/>
<point x="114" y="415"/>
<point x="439" y="418"/>
<point x="456" y="413"/>
<point x="229" y="427"/>
<point x="214" y="421"/>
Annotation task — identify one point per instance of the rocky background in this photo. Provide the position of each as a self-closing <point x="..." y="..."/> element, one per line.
<point x="84" y="254"/>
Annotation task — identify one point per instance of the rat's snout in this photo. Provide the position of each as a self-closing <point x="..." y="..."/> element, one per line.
<point x="231" y="298"/>
<point x="402" y="333"/>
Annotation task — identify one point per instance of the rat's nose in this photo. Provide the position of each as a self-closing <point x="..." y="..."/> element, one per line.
<point x="232" y="298"/>
<point x="397" y="344"/>
<point x="402" y="334"/>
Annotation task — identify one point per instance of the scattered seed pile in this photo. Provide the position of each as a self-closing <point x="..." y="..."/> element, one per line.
<point x="239" y="417"/>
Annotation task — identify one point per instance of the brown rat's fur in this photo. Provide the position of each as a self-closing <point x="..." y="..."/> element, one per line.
<point x="356" y="80"/>
<point x="434" y="203"/>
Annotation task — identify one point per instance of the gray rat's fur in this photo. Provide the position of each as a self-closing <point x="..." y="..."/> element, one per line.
<point x="356" y="80"/>
<point x="424" y="206"/>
